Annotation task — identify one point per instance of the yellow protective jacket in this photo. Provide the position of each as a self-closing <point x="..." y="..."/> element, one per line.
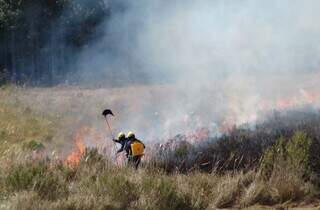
<point x="135" y="147"/>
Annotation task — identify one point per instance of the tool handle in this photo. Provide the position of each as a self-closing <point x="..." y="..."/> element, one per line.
<point x="109" y="128"/>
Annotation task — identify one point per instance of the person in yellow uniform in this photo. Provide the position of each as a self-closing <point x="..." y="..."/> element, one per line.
<point x="135" y="150"/>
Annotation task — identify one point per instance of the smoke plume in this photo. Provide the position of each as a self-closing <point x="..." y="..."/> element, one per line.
<point x="220" y="60"/>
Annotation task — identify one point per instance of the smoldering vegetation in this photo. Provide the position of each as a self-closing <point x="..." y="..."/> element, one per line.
<point x="242" y="148"/>
<point x="211" y="65"/>
<point x="273" y="163"/>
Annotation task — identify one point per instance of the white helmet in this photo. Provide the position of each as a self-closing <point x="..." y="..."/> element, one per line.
<point x="121" y="135"/>
<point x="131" y="135"/>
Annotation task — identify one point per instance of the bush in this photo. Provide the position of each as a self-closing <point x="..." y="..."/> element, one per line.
<point x="299" y="152"/>
<point x="274" y="156"/>
<point x="285" y="168"/>
<point x="33" y="145"/>
<point x="291" y="155"/>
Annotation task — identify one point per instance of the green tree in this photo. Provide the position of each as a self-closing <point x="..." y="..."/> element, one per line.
<point x="40" y="38"/>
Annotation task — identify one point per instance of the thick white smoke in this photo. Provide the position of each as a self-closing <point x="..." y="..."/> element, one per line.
<point x="221" y="58"/>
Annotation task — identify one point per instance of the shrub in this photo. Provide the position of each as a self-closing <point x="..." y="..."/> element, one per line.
<point x="274" y="156"/>
<point x="291" y="155"/>
<point x="285" y="168"/>
<point x="299" y="151"/>
<point x="33" y="145"/>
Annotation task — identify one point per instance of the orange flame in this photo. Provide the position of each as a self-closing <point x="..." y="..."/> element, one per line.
<point x="198" y="135"/>
<point x="303" y="98"/>
<point x="87" y="137"/>
<point x="74" y="158"/>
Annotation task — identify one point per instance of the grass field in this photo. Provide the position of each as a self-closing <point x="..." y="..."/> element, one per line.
<point x="36" y="133"/>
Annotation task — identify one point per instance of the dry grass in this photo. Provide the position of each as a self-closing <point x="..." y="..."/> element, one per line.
<point x="28" y="182"/>
<point x="100" y="185"/>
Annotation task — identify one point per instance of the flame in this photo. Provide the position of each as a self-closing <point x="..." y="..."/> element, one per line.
<point x="90" y="137"/>
<point x="198" y="135"/>
<point x="303" y="98"/>
<point x="87" y="137"/>
<point x="235" y="117"/>
<point x="74" y="158"/>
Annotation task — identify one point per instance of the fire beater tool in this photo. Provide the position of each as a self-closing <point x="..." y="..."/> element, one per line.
<point x="105" y="113"/>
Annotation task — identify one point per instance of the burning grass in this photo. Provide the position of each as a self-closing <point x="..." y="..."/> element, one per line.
<point x="244" y="147"/>
<point x="80" y="148"/>
<point x="274" y="163"/>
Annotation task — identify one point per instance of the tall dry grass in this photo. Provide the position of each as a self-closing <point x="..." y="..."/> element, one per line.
<point x="29" y="180"/>
<point x="98" y="184"/>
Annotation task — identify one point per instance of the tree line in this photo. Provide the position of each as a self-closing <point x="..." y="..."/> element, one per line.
<point x="40" y="39"/>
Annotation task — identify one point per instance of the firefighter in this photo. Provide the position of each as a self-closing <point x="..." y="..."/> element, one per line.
<point x="135" y="150"/>
<point x="122" y="140"/>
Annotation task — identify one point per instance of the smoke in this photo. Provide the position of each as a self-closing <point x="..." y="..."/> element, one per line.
<point x="223" y="60"/>
<point x="209" y="40"/>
